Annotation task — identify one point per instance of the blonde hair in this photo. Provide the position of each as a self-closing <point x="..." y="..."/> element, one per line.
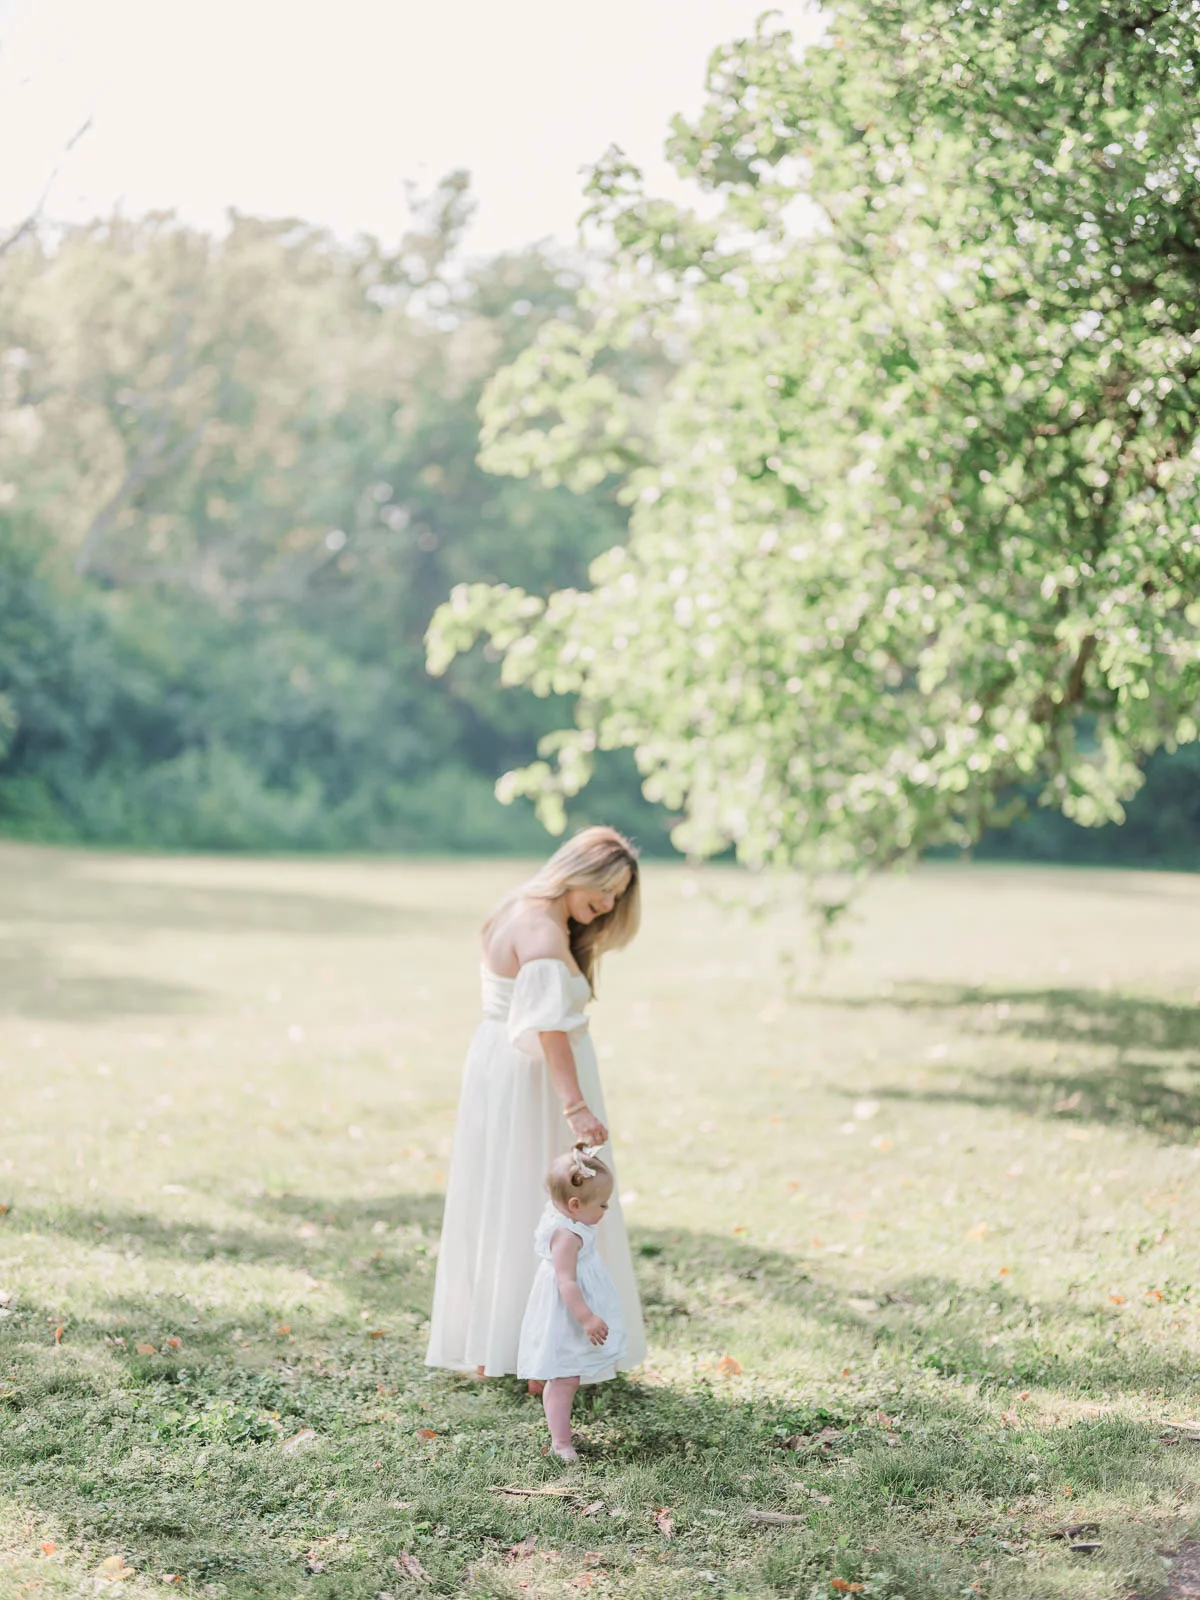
<point x="578" y="1175"/>
<point x="594" y="859"/>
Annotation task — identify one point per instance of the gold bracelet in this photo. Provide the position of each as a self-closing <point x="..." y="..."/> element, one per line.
<point x="569" y="1111"/>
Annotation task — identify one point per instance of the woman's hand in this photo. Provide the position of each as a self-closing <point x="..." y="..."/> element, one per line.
<point x="595" y="1327"/>
<point x="588" y="1127"/>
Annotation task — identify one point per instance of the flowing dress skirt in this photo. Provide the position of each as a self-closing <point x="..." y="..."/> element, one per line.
<point x="510" y="1129"/>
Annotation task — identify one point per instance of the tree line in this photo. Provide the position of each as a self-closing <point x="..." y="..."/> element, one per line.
<point x="237" y="474"/>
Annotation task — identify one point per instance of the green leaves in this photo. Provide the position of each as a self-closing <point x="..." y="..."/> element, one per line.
<point x="915" y="521"/>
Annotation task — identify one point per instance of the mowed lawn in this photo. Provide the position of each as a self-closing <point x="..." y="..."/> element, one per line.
<point x="916" y="1232"/>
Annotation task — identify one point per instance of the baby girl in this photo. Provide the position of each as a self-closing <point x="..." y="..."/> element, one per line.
<point x="573" y="1332"/>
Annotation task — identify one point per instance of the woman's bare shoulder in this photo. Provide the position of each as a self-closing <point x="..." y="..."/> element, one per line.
<point x="528" y="933"/>
<point x="536" y="936"/>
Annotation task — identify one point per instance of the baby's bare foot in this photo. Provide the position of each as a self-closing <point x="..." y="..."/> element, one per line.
<point x="565" y="1452"/>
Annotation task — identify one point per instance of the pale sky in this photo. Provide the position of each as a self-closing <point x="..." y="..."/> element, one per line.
<point x="323" y="108"/>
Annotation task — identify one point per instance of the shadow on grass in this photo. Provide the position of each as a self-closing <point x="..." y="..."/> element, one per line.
<point x="178" y="1460"/>
<point x="990" y="1335"/>
<point x="1122" y="1060"/>
<point x="74" y="888"/>
<point x="33" y="984"/>
<point x="272" y="1238"/>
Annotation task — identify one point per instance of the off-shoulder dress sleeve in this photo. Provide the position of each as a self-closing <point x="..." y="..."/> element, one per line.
<point x="542" y="1002"/>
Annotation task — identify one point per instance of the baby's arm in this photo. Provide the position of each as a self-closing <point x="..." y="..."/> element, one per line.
<point x="564" y="1250"/>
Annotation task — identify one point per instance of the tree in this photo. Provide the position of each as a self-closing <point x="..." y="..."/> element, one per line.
<point x="915" y="528"/>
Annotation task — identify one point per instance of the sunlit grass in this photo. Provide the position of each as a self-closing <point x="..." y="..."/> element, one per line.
<point x="915" y="1230"/>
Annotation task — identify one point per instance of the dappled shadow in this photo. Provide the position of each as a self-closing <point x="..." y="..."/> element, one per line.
<point x="286" y="1231"/>
<point x="1125" y="1060"/>
<point x="34" y="985"/>
<point x="68" y="888"/>
<point x="408" y="1461"/>
<point x="987" y="1334"/>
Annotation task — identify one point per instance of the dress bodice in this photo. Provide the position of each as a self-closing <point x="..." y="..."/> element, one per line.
<point x="552" y="1220"/>
<point x="546" y="987"/>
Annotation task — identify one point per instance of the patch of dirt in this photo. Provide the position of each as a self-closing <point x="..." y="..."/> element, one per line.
<point x="1184" y="1580"/>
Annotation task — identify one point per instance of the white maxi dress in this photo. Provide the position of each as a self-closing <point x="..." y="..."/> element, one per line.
<point x="510" y="1129"/>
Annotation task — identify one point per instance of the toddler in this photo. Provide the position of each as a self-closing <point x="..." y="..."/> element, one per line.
<point x="573" y="1331"/>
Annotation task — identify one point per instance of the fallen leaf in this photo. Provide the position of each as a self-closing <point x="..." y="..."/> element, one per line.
<point x="376" y="1333"/>
<point x="774" y="1519"/>
<point x="48" y="1547"/>
<point x="1117" y="1299"/>
<point x="58" y="1333"/>
<point x="844" y="1587"/>
<point x="409" y="1566"/>
<point x="427" y="1433"/>
<point x="592" y="1558"/>
<point x="977" y="1232"/>
<point x="728" y="1367"/>
<point x="1024" y="1395"/>
<point x="585" y="1580"/>
<point x="1004" y="1272"/>
<point x="1154" y="1294"/>
<point x="847" y="1372"/>
<point x="664" y="1521"/>
<point x="592" y="1509"/>
<point x="283" y="1328"/>
<point x="172" y="1577"/>
<point x="313" y="1563"/>
<point x="1009" y="1419"/>
<point x="113" y="1569"/>
<point x="300" y="1441"/>
<point x="146" y="1350"/>
<point x="740" y="1229"/>
<point x="174" y="1344"/>
<point x="521" y="1552"/>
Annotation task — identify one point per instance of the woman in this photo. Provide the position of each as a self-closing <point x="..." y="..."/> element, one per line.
<point x="531" y="1089"/>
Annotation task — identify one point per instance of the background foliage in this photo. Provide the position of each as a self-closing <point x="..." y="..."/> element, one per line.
<point x="915" y="536"/>
<point x="891" y="452"/>
<point x="236" y="476"/>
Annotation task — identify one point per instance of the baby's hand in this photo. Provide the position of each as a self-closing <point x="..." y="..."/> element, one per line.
<point x="596" y="1328"/>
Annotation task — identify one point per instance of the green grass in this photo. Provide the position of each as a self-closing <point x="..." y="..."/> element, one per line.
<point x="936" y="1201"/>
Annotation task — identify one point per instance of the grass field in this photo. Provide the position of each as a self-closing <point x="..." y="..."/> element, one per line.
<point x="916" y="1234"/>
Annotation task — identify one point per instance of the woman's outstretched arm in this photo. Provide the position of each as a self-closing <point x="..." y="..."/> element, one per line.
<point x="560" y="1063"/>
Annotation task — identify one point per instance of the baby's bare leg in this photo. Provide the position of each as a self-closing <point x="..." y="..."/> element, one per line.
<point x="557" y="1398"/>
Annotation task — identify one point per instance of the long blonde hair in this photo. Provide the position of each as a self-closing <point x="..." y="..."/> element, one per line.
<point x="594" y="859"/>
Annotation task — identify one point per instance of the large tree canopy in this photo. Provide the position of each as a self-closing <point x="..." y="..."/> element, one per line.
<point x="916" y="525"/>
